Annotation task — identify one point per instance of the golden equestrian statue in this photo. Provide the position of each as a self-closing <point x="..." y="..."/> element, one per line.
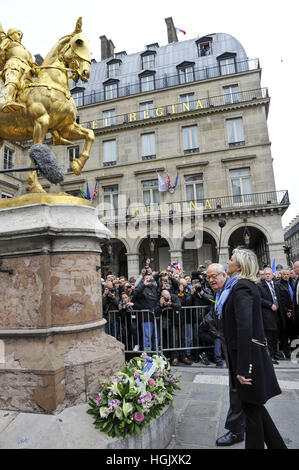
<point x="37" y="100"/>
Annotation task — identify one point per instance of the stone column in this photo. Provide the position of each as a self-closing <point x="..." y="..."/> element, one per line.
<point x="224" y="255"/>
<point x="133" y="265"/>
<point x="276" y="253"/>
<point x="51" y="325"/>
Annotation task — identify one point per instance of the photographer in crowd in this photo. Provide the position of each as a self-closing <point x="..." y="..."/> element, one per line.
<point x="130" y="333"/>
<point x="110" y="301"/>
<point x="146" y="297"/>
<point x="170" y="309"/>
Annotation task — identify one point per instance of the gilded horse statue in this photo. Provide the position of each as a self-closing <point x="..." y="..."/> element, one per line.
<point x="45" y="102"/>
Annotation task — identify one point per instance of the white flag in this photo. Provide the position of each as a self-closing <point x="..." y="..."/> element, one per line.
<point x="162" y="184"/>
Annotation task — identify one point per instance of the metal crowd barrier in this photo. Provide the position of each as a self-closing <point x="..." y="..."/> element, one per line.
<point x="140" y="330"/>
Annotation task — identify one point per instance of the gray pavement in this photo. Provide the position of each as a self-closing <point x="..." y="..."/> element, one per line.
<point x="203" y="402"/>
<point x="200" y="412"/>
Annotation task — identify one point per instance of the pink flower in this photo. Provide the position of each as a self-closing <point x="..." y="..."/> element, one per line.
<point x="151" y="382"/>
<point x="136" y="374"/>
<point x="148" y="396"/>
<point x="138" y="417"/>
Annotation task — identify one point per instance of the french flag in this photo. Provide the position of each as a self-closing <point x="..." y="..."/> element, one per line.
<point x="178" y="30"/>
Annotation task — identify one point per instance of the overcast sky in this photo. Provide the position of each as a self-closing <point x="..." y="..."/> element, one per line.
<point x="265" y="28"/>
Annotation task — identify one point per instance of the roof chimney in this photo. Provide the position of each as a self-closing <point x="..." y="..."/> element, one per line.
<point x="107" y="48"/>
<point x="171" y="32"/>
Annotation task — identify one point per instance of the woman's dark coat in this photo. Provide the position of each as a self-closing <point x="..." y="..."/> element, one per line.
<point x="242" y="322"/>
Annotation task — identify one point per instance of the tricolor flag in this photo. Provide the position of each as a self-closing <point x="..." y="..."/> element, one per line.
<point x="178" y="30"/>
<point x="95" y="193"/>
<point x="168" y="179"/>
<point x="162" y="186"/>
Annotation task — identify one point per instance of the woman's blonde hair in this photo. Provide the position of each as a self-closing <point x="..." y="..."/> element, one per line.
<point x="247" y="260"/>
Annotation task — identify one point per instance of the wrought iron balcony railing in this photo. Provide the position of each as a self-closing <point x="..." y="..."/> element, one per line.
<point x="176" y="108"/>
<point x="168" y="81"/>
<point x="253" y="201"/>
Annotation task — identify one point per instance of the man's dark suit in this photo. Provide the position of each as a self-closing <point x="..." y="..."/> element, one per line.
<point x="271" y="318"/>
<point x="296" y="309"/>
<point x="235" y="419"/>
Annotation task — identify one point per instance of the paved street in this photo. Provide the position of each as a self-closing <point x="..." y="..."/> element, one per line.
<point x="202" y="405"/>
<point x="200" y="412"/>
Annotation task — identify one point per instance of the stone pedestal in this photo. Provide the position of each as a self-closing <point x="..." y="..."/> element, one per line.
<point x="51" y="326"/>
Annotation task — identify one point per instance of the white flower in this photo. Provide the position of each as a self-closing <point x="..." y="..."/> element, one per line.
<point x="160" y="362"/>
<point x="114" y="388"/>
<point x="118" y="412"/>
<point x="104" y="412"/>
<point x="127" y="408"/>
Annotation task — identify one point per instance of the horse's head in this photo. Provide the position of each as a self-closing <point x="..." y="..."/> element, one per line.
<point x="77" y="57"/>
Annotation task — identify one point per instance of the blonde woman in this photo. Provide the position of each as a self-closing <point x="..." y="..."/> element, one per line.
<point x="250" y="366"/>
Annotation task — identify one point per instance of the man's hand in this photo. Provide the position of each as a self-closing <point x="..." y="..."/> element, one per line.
<point x="274" y="308"/>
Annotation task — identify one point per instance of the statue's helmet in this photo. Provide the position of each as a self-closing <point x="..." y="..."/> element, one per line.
<point x="79" y="45"/>
<point x="11" y="31"/>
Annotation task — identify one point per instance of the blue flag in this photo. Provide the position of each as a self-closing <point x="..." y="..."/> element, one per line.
<point x="87" y="192"/>
<point x="273" y="266"/>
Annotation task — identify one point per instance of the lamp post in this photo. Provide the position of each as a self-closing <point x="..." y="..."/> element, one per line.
<point x="221" y="223"/>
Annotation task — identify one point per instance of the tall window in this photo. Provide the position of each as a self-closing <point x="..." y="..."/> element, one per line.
<point x="113" y="69"/>
<point x="111" y="90"/>
<point x="148" y="61"/>
<point x="110" y="200"/>
<point x="150" y="193"/>
<point x="186" y="74"/>
<point x="148" y="146"/>
<point x="110" y="153"/>
<point x="8" y="158"/>
<point x="147" y="83"/>
<point x="231" y="94"/>
<point x="78" y="97"/>
<point x="187" y="102"/>
<point x="73" y="152"/>
<point x="235" y="132"/>
<point x="194" y="187"/>
<point x="146" y="110"/>
<point x="227" y="66"/>
<point x="241" y="185"/>
<point x="190" y="139"/>
<point x="109" y="118"/>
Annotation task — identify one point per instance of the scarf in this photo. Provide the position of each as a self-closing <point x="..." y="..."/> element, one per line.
<point x="221" y="297"/>
<point x="291" y="292"/>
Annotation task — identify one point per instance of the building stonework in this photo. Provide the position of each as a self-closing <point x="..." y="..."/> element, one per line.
<point x="170" y="109"/>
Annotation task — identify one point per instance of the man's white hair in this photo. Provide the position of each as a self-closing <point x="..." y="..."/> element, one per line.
<point x="219" y="267"/>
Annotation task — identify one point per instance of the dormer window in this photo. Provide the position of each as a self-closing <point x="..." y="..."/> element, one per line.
<point x="148" y="60"/>
<point x="78" y="96"/>
<point x="147" y="81"/>
<point x="186" y="72"/>
<point x="227" y="63"/>
<point x="111" y="89"/>
<point x="113" y="68"/>
<point x="204" y="46"/>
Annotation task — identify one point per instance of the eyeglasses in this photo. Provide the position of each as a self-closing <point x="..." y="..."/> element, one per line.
<point x="213" y="276"/>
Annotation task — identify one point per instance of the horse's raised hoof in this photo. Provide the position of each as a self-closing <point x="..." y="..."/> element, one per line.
<point x="76" y="167"/>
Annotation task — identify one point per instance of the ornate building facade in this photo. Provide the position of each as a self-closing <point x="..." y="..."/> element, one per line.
<point x="194" y="108"/>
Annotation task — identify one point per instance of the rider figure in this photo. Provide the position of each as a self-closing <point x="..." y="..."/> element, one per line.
<point x="15" y="61"/>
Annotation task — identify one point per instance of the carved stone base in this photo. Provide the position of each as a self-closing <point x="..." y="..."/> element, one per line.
<point x="52" y="341"/>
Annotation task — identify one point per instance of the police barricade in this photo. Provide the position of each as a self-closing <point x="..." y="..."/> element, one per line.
<point x="141" y="330"/>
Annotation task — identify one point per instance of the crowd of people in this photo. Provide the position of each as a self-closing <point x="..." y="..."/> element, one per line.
<point x="179" y="313"/>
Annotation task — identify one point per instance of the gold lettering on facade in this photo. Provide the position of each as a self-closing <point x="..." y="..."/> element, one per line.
<point x="208" y="205"/>
<point x="146" y="114"/>
<point x="186" y="106"/>
<point x="132" y="117"/>
<point x="198" y="104"/>
<point x="159" y="112"/>
<point x="173" y="109"/>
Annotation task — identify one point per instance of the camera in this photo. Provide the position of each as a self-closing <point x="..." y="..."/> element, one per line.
<point x="166" y="299"/>
<point x="124" y="305"/>
<point x="112" y="291"/>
